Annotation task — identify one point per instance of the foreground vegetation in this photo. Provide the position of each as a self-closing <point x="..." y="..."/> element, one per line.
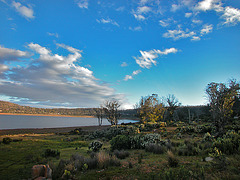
<point x="160" y="146"/>
<point x="137" y="151"/>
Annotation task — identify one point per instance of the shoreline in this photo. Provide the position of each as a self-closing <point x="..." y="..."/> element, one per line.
<point x="57" y="115"/>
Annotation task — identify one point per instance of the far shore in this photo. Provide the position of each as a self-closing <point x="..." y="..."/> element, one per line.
<point x="59" y="115"/>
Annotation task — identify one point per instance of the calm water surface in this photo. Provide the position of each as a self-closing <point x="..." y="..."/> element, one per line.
<point x="21" y="121"/>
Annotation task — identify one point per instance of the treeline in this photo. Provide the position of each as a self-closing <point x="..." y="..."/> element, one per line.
<point x="7" y="107"/>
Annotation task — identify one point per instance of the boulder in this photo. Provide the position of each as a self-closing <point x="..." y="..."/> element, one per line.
<point x="41" y="172"/>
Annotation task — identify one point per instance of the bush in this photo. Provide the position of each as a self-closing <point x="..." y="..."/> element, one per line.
<point x="95" y="145"/>
<point x="120" y="142"/>
<point x="121" y="154"/>
<point x="155" y="148"/>
<point x="7" y="140"/>
<point x="51" y="153"/>
<point x="172" y="160"/>
<point x="105" y="160"/>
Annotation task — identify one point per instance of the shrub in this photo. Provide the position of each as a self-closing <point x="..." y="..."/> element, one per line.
<point x="155" y="148"/>
<point x="91" y="162"/>
<point x="151" y="138"/>
<point x="121" y="154"/>
<point x="7" y="140"/>
<point x="207" y="137"/>
<point x="120" y="142"/>
<point x="105" y="160"/>
<point x="51" y="153"/>
<point x="172" y="160"/>
<point x="95" y="145"/>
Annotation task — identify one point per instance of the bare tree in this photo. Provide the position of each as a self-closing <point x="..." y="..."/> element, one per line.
<point x="221" y="99"/>
<point x="111" y="109"/>
<point x="172" y="104"/>
<point x="99" y="113"/>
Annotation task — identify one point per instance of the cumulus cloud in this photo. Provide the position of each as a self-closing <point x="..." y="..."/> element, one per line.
<point x="147" y="58"/>
<point x="25" y="11"/>
<point x="56" y="80"/>
<point x="134" y="73"/>
<point x="206" y="5"/>
<point x="231" y="15"/>
<point x="11" y="54"/>
<point x="82" y="4"/>
<point x="178" y="34"/>
<point x="206" y="29"/>
<point x="108" y="21"/>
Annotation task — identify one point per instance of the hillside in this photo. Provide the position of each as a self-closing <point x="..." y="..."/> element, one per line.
<point x="7" y="107"/>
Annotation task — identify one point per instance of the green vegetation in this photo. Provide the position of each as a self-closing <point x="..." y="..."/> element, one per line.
<point x="155" y="148"/>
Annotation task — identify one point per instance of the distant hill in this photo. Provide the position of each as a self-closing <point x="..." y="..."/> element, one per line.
<point x="7" y="107"/>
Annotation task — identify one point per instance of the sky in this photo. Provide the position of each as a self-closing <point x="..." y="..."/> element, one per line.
<point x="80" y="53"/>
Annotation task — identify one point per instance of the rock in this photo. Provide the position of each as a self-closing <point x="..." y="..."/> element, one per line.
<point x="208" y="159"/>
<point x="41" y="172"/>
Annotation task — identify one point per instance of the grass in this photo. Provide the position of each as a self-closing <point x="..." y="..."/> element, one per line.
<point x="17" y="159"/>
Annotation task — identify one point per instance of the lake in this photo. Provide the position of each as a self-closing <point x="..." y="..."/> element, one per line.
<point x="23" y="122"/>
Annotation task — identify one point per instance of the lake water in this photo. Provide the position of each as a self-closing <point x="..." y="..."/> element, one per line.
<point x="22" y="122"/>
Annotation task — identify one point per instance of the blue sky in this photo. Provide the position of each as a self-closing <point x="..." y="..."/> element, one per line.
<point x="79" y="53"/>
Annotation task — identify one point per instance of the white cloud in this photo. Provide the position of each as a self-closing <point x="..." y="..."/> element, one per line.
<point x="3" y="68"/>
<point x="53" y="34"/>
<point x="196" y="21"/>
<point x="195" y="38"/>
<point x="163" y="23"/>
<point x="137" y="28"/>
<point x="108" y="21"/>
<point x="27" y="12"/>
<point x="124" y="64"/>
<point x="82" y="4"/>
<point x="139" y="17"/>
<point x="122" y="8"/>
<point x="231" y="15"/>
<point x="127" y="77"/>
<point x="134" y="73"/>
<point x="143" y="10"/>
<point x="206" y="5"/>
<point x="147" y="58"/>
<point x="206" y="29"/>
<point x="178" y="34"/>
<point x="55" y="79"/>
<point x="11" y="54"/>
<point x="187" y="15"/>
<point x="175" y="7"/>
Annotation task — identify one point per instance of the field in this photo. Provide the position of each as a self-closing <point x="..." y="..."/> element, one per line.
<point x="138" y="151"/>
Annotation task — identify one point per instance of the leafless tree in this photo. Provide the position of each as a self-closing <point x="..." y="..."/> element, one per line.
<point x="172" y="104"/>
<point x="111" y="109"/>
<point x="99" y="113"/>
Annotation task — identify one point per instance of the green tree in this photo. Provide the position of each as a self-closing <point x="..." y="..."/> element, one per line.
<point x="150" y="109"/>
<point x="111" y="109"/>
<point x="221" y="100"/>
